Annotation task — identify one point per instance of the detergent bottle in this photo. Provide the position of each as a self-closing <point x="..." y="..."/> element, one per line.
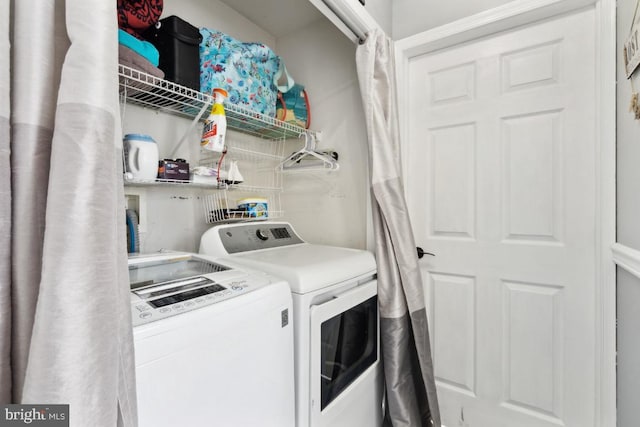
<point x="215" y="127"/>
<point x="140" y="157"/>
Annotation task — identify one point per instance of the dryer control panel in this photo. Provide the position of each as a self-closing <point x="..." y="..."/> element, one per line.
<point x="236" y="238"/>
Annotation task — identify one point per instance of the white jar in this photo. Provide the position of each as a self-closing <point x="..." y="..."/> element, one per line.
<point x="140" y="156"/>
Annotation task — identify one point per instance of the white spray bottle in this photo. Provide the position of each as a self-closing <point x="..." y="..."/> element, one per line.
<point x="215" y="127"/>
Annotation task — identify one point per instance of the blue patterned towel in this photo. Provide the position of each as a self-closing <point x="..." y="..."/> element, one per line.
<point x="245" y="70"/>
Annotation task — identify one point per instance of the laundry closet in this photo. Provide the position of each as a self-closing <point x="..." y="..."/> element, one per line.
<point x="326" y="206"/>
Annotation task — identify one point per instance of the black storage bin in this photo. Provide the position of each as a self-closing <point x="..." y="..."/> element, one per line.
<point x="179" y="45"/>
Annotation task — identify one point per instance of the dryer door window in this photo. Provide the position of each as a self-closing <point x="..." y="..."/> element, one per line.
<point x="349" y="343"/>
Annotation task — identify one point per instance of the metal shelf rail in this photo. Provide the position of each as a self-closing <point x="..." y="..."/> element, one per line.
<point x="139" y="88"/>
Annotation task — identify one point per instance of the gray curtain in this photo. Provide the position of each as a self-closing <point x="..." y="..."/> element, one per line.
<point x="406" y="353"/>
<point x="65" y="324"/>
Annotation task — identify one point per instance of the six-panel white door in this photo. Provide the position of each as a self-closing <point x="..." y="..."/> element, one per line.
<point x="501" y="186"/>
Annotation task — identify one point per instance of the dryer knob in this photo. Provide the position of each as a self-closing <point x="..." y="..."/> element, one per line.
<point x="262" y="235"/>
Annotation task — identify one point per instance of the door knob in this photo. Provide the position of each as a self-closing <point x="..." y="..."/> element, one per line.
<point x="422" y="253"/>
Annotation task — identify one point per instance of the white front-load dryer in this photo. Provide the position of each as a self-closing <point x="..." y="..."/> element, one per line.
<point x="213" y="344"/>
<point x="338" y="373"/>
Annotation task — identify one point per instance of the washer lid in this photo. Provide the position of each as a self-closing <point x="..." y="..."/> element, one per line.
<point x="145" y="271"/>
<point x="308" y="267"/>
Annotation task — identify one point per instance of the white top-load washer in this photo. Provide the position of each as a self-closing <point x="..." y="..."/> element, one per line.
<point x="213" y="343"/>
<point x="337" y="369"/>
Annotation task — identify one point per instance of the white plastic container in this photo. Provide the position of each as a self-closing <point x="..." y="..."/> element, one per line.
<point x="141" y="157"/>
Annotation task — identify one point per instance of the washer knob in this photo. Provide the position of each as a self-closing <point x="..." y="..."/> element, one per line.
<point x="262" y="235"/>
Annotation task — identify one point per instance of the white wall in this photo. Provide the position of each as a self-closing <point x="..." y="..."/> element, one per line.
<point x="411" y="17"/>
<point x="628" y="136"/>
<point x="216" y="15"/>
<point x="328" y="209"/>
<point x="628" y="356"/>
<point x="628" y="215"/>
<point x="382" y="12"/>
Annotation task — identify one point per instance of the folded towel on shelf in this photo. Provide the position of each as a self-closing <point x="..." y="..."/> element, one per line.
<point x="141" y="47"/>
<point x="130" y="58"/>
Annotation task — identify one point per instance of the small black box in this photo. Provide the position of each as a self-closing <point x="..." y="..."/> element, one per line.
<point x="179" y="45"/>
<point x="177" y="169"/>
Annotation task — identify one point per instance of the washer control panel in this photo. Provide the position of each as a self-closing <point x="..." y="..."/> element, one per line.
<point x="147" y="308"/>
<point x="165" y="287"/>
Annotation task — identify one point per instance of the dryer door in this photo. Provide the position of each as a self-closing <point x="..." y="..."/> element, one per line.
<point x="345" y="389"/>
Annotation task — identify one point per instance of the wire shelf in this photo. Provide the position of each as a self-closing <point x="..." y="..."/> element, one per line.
<point x="256" y="161"/>
<point x="137" y="182"/>
<point x="221" y="207"/>
<point x="145" y="90"/>
<point x="257" y="124"/>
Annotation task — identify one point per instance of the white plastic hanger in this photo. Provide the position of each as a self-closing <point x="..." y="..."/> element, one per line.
<point x="319" y="160"/>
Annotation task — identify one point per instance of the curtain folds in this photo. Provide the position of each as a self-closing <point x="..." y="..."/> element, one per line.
<point x="406" y="353"/>
<point x="5" y="207"/>
<point x="66" y="336"/>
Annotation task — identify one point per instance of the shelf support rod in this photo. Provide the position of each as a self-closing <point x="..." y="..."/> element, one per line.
<point x="195" y="120"/>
